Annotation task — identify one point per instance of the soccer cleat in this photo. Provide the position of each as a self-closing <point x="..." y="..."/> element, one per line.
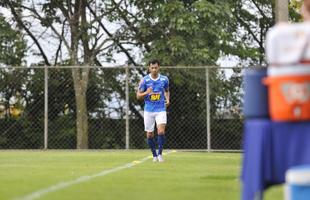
<point x="155" y="159"/>
<point x="160" y="158"/>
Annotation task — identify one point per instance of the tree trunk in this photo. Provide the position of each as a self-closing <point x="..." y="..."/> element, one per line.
<point x="80" y="87"/>
<point x="80" y="76"/>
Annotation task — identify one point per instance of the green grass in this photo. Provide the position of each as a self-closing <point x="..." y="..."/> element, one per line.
<point x="183" y="175"/>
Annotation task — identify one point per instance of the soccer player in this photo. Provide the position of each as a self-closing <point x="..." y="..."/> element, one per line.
<point x="154" y="89"/>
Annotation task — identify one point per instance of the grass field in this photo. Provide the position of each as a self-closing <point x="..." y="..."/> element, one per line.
<point x="117" y="175"/>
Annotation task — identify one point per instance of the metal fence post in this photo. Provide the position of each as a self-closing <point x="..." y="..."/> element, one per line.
<point x="127" y="107"/>
<point x="45" y="107"/>
<point x="208" y="110"/>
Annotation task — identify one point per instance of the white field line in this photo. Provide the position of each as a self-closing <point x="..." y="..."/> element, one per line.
<point x="62" y="185"/>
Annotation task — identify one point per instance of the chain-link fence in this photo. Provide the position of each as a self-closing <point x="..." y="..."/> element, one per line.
<point x="96" y="108"/>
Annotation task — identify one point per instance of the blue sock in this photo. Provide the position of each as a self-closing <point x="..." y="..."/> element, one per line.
<point x="151" y="143"/>
<point x="161" y="142"/>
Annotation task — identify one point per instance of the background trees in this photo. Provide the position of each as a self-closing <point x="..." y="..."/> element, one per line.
<point x="87" y="33"/>
<point x="12" y="44"/>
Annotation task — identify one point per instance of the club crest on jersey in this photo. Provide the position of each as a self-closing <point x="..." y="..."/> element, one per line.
<point x="296" y="92"/>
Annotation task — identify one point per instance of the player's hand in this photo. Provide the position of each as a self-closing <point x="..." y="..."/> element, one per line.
<point x="167" y="102"/>
<point x="149" y="90"/>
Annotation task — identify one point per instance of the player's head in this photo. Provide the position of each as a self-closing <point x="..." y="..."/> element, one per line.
<point x="154" y="67"/>
<point x="153" y="62"/>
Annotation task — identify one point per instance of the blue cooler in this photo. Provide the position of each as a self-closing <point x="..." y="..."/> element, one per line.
<point x="255" y="98"/>
<point x="298" y="183"/>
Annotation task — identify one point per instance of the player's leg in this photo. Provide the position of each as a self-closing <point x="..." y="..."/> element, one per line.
<point x="160" y="141"/>
<point x="151" y="143"/>
<point x="149" y="123"/>
<point x="161" y="121"/>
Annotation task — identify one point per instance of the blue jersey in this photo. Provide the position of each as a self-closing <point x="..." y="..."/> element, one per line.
<point x="154" y="102"/>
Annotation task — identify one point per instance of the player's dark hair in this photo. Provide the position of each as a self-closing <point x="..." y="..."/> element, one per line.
<point x="154" y="61"/>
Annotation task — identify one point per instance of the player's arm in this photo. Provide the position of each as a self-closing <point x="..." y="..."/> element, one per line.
<point x="167" y="97"/>
<point x="167" y="93"/>
<point x="140" y="93"/>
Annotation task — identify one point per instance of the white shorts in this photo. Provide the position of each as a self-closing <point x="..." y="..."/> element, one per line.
<point x="151" y="117"/>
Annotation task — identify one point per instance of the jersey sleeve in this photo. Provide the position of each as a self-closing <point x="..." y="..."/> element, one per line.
<point x="166" y="84"/>
<point x="142" y="86"/>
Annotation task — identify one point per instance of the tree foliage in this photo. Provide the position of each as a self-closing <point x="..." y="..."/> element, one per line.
<point x="12" y="44"/>
<point x="178" y="32"/>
